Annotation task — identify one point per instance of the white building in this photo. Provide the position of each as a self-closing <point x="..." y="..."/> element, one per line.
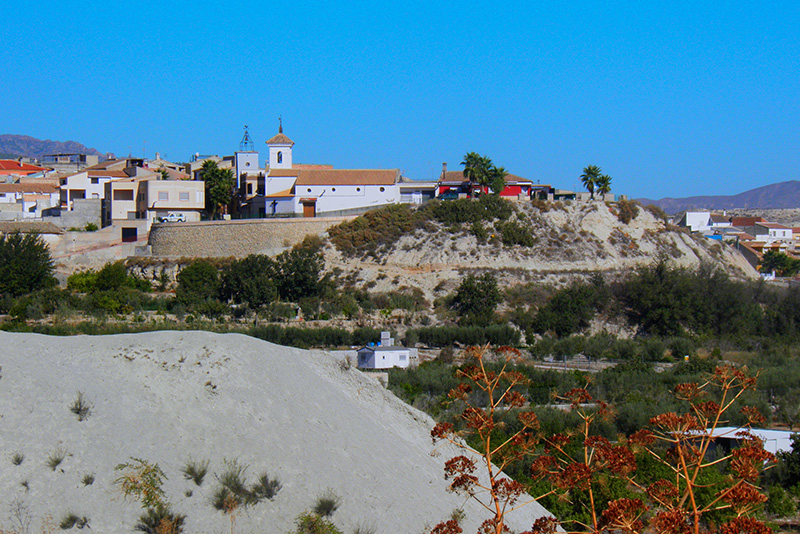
<point x="27" y="200"/>
<point x="696" y="221"/>
<point x="770" y="232"/>
<point x="313" y="190"/>
<point x="386" y="355"/>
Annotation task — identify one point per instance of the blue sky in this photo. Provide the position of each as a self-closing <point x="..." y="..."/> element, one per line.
<point x="669" y="98"/>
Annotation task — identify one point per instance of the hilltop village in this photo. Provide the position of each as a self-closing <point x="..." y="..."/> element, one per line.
<point x="91" y="210"/>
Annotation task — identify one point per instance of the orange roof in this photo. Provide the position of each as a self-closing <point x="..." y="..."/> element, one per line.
<point x="458" y="176"/>
<point x="347" y="177"/>
<point x="281" y="194"/>
<point x="28" y="188"/>
<point x="280" y="139"/>
<point x="14" y="165"/>
<point x="101" y="173"/>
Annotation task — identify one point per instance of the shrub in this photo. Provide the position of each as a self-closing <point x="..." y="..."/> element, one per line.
<point x="375" y="231"/>
<point x="111" y="276"/>
<point x="250" y="281"/>
<point x="88" y="479"/>
<point x="298" y="273"/>
<point x="91" y="227"/>
<point x="160" y="520"/>
<point x="627" y="210"/>
<point x="197" y="282"/>
<point x="476" y="298"/>
<point x="195" y="471"/>
<point x="25" y="264"/>
<point x="233" y="491"/>
<point x="514" y="233"/>
<point x="657" y="212"/>
<point x="327" y="504"/>
<point x="311" y="523"/>
<point x="73" y="520"/>
<point x="55" y="459"/>
<point x="81" y="407"/>
<point x="17" y="458"/>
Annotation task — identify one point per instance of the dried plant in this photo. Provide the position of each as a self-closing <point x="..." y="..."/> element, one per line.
<point x="81" y="407"/>
<point x="196" y="471"/>
<point x="497" y="493"/>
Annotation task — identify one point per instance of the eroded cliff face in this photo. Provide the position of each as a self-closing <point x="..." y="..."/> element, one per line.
<point x="568" y="241"/>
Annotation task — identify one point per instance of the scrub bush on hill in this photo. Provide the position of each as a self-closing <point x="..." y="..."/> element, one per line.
<point x="110" y="277"/>
<point x="25" y="264"/>
<point x="476" y="299"/>
<point x="197" y="282"/>
<point x="447" y="336"/>
<point x="250" y="280"/>
<point x="375" y="231"/>
<point x="571" y="309"/>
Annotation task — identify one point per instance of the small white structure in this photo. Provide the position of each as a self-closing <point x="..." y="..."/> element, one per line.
<point x="696" y="221"/>
<point x="775" y="441"/>
<point x="384" y="355"/>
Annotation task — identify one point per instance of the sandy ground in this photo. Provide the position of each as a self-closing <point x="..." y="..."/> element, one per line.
<point x="169" y="397"/>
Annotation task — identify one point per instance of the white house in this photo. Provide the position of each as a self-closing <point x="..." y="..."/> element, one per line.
<point x="86" y="184"/>
<point x="28" y="199"/>
<point x="385" y="355"/>
<point x="770" y="232"/>
<point x="775" y="441"/>
<point x="696" y="221"/>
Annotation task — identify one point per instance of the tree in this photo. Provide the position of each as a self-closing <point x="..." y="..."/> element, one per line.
<point x="498" y="180"/>
<point x="219" y="188"/>
<point x="779" y="262"/>
<point x="477" y="169"/>
<point x="298" y="273"/>
<point x="476" y="299"/>
<point x="25" y="264"/>
<point x="250" y="280"/>
<point x="603" y="184"/>
<point x="589" y="178"/>
<point x="197" y="282"/>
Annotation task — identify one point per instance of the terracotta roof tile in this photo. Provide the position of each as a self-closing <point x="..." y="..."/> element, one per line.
<point x="13" y="165"/>
<point x="347" y="177"/>
<point x="280" y="139"/>
<point x="28" y="188"/>
<point x="281" y="194"/>
<point x="458" y="176"/>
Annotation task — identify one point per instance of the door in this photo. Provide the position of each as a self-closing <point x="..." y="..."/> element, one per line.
<point x="310" y="208"/>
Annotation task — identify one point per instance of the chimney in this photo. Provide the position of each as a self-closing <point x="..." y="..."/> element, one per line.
<point x="444" y="169"/>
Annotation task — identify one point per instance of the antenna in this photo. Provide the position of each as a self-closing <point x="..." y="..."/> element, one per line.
<point x="246" y="144"/>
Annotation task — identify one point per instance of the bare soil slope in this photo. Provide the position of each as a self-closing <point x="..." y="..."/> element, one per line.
<point x="574" y="239"/>
<point x="167" y="397"/>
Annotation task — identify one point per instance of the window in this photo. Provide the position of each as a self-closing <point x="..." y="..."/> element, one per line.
<point x="280" y="157"/>
<point x="247" y="164"/>
<point x="383" y="189"/>
<point x="358" y="189"/>
<point x="333" y="189"/>
<point x="183" y="196"/>
<point x="309" y="189"/>
<point x="249" y="189"/>
<point x="95" y="180"/>
<point x="122" y="194"/>
<point x="402" y="357"/>
<point x="163" y="195"/>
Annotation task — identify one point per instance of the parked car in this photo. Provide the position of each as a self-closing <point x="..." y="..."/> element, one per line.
<point x="448" y="195"/>
<point x="174" y="217"/>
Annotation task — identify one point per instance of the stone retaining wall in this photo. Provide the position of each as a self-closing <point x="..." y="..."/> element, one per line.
<point x="236" y="238"/>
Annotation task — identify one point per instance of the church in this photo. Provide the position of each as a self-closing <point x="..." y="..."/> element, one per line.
<point x="290" y="189"/>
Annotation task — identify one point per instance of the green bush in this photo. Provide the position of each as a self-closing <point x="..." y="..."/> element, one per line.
<point x="25" y="264"/>
<point x="251" y="281"/>
<point x="476" y="299"/>
<point x="376" y="231"/>
<point x="197" y="282"/>
<point x="514" y="233"/>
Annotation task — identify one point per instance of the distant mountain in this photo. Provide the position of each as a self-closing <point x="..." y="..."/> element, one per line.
<point x="783" y="195"/>
<point x="24" y="145"/>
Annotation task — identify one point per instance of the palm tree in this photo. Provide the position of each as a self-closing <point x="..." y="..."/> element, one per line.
<point x="589" y="178"/>
<point x="498" y="181"/>
<point x="603" y="183"/>
<point x="477" y="170"/>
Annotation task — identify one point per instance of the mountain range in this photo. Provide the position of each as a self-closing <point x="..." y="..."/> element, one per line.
<point x="24" y="145"/>
<point x="783" y="195"/>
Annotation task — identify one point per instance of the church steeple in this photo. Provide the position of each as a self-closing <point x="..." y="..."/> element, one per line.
<point x="280" y="149"/>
